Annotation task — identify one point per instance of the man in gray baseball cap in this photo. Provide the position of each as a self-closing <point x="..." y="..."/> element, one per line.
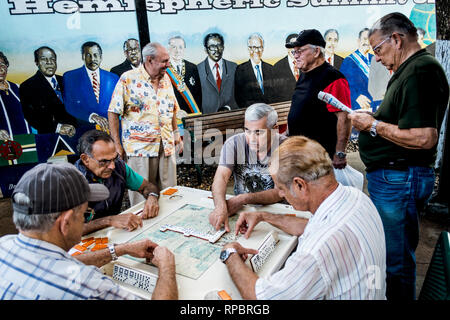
<point x="49" y="203"/>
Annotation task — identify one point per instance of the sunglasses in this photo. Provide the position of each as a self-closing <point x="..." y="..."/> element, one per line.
<point x="89" y="215"/>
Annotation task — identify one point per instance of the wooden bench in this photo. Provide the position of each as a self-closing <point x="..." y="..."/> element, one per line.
<point x="201" y="126"/>
<point x="205" y="126"/>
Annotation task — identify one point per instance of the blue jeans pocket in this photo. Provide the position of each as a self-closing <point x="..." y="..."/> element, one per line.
<point x="395" y="177"/>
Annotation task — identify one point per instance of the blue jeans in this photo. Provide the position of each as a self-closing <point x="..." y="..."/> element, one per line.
<point x="398" y="195"/>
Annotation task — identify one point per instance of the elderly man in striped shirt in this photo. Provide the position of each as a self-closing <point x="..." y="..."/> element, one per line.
<point x="341" y="251"/>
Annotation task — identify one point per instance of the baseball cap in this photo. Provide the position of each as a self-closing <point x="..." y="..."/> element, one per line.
<point x="54" y="187"/>
<point x="308" y="36"/>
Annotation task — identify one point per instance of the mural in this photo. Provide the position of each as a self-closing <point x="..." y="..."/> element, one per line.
<point x="49" y="96"/>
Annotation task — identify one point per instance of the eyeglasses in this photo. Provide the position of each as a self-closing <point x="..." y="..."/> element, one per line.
<point x="377" y="48"/>
<point x="104" y="162"/>
<point x="253" y="48"/>
<point x="258" y="132"/>
<point x="3" y="66"/>
<point x="89" y="215"/>
<point x="214" y="47"/>
<point x="299" y="51"/>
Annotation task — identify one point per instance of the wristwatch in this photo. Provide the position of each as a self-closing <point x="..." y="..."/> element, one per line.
<point x="154" y="194"/>
<point x="225" y="254"/>
<point x="373" y="129"/>
<point x="341" y="155"/>
<point x="112" y="250"/>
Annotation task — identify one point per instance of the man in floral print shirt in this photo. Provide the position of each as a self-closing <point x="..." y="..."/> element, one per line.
<point x="145" y="101"/>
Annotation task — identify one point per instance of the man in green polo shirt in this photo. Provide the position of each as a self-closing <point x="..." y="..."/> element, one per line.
<point x="398" y="143"/>
<point x="100" y="163"/>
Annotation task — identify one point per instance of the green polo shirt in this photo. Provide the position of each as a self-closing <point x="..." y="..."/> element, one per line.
<point x="416" y="97"/>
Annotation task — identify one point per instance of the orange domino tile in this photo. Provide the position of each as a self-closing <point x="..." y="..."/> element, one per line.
<point x="76" y="253"/>
<point x="80" y="248"/>
<point x="104" y="240"/>
<point x="87" y="244"/>
<point x="224" y="295"/>
<point x="87" y="239"/>
<point x="98" y="240"/>
<point x="170" y="191"/>
<point x="99" y="247"/>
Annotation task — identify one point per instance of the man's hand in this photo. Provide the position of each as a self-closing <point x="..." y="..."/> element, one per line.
<point x="4" y="135"/>
<point x="100" y="121"/>
<point x="127" y="221"/>
<point x="218" y="217"/>
<point x="339" y="163"/>
<point x="141" y="249"/>
<point x="362" y="121"/>
<point x="247" y="222"/>
<point x="67" y="129"/>
<point x="151" y="208"/>
<point x="240" y="250"/>
<point x="163" y="258"/>
<point x="121" y="151"/>
<point x="363" y="102"/>
<point x="235" y="203"/>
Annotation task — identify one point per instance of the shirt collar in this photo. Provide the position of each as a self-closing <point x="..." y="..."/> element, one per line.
<point x="89" y="72"/>
<point x="212" y="64"/>
<point x="36" y="244"/>
<point x="327" y="205"/>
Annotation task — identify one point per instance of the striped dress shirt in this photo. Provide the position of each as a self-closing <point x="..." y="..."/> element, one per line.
<point x="340" y="255"/>
<point x="35" y="269"/>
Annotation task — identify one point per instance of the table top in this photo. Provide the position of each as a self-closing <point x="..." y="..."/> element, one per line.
<point x="216" y="276"/>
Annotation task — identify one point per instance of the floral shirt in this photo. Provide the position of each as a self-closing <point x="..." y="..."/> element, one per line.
<point x="146" y="114"/>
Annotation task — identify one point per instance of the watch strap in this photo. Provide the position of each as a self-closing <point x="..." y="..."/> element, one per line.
<point x="228" y="252"/>
<point x="154" y="195"/>
<point x="112" y="251"/>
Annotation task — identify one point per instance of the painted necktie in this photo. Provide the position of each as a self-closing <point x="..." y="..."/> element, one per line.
<point x="56" y="88"/>
<point x="95" y="86"/>
<point x="260" y="80"/>
<point x="218" y="79"/>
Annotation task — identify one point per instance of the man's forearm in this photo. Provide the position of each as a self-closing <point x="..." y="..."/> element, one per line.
<point x="263" y="197"/>
<point x="96" y="224"/>
<point x="242" y="276"/>
<point x="343" y="129"/>
<point x="113" y="121"/>
<point x="166" y="286"/>
<point x="218" y="190"/>
<point x="289" y="224"/>
<point x="101" y="257"/>
<point x="414" y="138"/>
<point x="147" y="188"/>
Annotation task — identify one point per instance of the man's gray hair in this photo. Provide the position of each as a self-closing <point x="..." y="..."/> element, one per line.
<point x="257" y="111"/>
<point x="394" y="22"/>
<point x="255" y="35"/>
<point x="176" y="37"/>
<point x="322" y="49"/>
<point x="36" y="222"/>
<point x="150" y="50"/>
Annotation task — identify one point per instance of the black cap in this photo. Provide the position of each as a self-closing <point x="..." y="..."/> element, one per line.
<point x="53" y="188"/>
<point x="308" y="36"/>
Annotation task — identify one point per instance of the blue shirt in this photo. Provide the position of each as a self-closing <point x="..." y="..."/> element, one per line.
<point x="35" y="269"/>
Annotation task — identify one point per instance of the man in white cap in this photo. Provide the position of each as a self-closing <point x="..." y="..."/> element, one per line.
<point x="49" y="203"/>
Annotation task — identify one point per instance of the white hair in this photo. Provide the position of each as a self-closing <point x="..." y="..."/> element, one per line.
<point x="150" y="50"/>
<point x="257" y="111"/>
<point x="322" y="50"/>
<point x="255" y="35"/>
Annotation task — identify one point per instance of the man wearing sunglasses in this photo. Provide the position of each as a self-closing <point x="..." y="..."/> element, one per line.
<point x="100" y="163"/>
<point x="398" y="143"/>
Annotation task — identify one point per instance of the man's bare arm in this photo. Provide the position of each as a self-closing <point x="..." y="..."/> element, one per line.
<point x="414" y="138"/>
<point x="343" y="129"/>
<point x="113" y="121"/>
